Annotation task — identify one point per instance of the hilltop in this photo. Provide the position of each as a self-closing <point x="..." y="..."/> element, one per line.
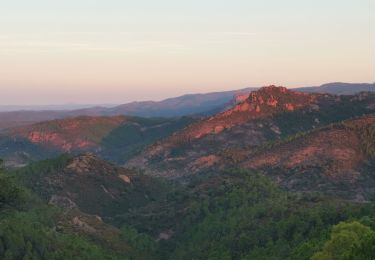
<point x="270" y="113"/>
<point x="90" y="184"/>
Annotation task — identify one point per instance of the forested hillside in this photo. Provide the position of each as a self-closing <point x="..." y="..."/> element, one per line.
<point x="228" y="215"/>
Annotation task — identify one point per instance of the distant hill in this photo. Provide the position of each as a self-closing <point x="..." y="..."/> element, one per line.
<point x="178" y="106"/>
<point x="8" y="108"/>
<point x="340" y="88"/>
<point x="115" y="138"/>
<point x="192" y="104"/>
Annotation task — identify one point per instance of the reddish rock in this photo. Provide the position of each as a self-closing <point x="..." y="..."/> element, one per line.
<point x="125" y="178"/>
<point x="289" y="107"/>
<point x="262" y="103"/>
<point x="81" y="133"/>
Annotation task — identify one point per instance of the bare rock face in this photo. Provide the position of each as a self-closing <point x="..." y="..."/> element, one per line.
<point x="204" y="162"/>
<point x="125" y="178"/>
<point x="71" y="134"/>
<point x="85" y="227"/>
<point x="82" y="164"/>
<point x="62" y="202"/>
<point x="240" y="98"/>
<point x="166" y="235"/>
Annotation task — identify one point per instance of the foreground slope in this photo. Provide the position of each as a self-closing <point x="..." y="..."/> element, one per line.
<point x="236" y="214"/>
<point x="90" y="184"/>
<point x="31" y="229"/>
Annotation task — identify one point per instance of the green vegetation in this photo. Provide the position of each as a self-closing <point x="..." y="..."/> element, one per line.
<point x="28" y="229"/>
<point x="51" y="177"/>
<point x="241" y="215"/>
<point x="351" y="240"/>
<point x="231" y="215"/>
<point x="10" y="194"/>
<point x="224" y="215"/>
<point x="367" y="137"/>
<point x="23" y="150"/>
<point x="91" y="129"/>
<point x="30" y="235"/>
<point x="130" y="138"/>
<point x="328" y="113"/>
<point x="365" y="132"/>
<point x="253" y="219"/>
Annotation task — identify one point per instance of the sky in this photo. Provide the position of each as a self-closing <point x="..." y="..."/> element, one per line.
<point x="116" y="51"/>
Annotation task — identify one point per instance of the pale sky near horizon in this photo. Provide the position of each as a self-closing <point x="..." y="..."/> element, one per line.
<point x="113" y="51"/>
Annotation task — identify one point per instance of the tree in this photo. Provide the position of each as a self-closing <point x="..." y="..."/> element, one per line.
<point x="347" y="241"/>
<point x="1" y="165"/>
<point x="10" y="193"/>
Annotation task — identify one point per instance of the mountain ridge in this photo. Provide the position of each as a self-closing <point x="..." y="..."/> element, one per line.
<point x="190" y="104"/>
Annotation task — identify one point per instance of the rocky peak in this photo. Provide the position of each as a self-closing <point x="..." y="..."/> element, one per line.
<point x="83" y="163"/>
<point x="90" y="164"/>
<point x="269" y="100"/>
<point x="70" y="134"/>
<point x="262" y="103"/>
<point x="240" y="98"/>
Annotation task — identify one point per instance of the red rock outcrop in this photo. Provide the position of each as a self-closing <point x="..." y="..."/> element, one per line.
<point x="261" y="103"/>
<point x="81" y="133"/>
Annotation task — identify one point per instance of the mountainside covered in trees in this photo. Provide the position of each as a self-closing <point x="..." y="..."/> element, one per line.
<point x="98" y="211"/>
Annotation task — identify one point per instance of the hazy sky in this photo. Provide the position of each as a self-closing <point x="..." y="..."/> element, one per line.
<point x="114" y="51"/>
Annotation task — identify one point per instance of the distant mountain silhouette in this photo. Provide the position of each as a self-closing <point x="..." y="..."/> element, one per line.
<point x="191" y="104"/>
<point x="340" y="88"/>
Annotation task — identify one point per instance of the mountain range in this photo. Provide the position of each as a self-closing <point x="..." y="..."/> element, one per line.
<point x="192" y="104"/>
<point x="268" y="173"/>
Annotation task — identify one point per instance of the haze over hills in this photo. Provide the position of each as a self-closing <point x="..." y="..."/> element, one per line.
<point x="193" y="104"/>
<point x="340" y="88"/>
<point x="9" y="108"/>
